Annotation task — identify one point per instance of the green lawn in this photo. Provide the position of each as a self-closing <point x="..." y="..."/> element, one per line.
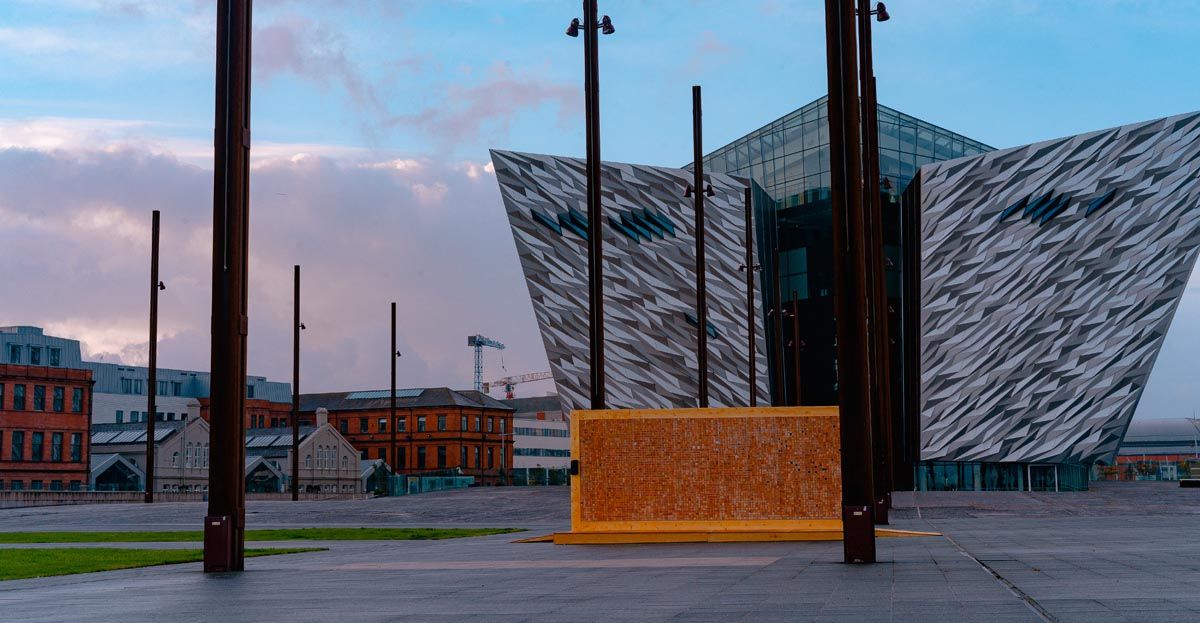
<point x="293" y="534"/>
<point x="16" y="564"/>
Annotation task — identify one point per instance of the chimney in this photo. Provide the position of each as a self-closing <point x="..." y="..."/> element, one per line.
<point x="322" y="416"/>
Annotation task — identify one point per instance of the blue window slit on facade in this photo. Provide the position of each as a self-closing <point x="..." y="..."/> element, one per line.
<point x="1045" y="207"/>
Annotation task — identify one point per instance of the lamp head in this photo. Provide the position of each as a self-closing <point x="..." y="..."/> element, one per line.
<point x="573" y="29"/>
<point x="687" y="192"/>
<point x="606" y="26"/>
<point x="302" y="327"/>
<point x="709" y="191"/>
<point x="881" y="14"/>
<point x="162" y="286"/>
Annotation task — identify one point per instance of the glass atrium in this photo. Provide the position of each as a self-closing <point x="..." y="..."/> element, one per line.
<point x="788" y="159"/>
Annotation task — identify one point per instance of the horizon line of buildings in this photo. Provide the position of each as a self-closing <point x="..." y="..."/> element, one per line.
<point x="69" y="424"/>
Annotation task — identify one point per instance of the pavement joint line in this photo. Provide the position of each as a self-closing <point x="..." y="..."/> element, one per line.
<point x="1025" y="598"/>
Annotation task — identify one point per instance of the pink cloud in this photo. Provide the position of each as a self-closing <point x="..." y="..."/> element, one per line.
<point x="494" y="103"/>
<point x="74" y="223"/>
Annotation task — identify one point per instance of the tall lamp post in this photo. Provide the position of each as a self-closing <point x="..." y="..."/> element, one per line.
<point x="694" y="191"/>
<point x="224" y="525"/>
<point x="393" y="451"/>
<point x="152" y="380"/>
<point x="591" y="87"/>
<point x="297" y="327"/>
<point x="881" y="361"/>
<point x="850" y="287"/>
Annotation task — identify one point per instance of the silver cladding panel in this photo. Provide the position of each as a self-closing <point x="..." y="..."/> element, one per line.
<point x="1038" y="337"/>
<point x="650" y="346"/>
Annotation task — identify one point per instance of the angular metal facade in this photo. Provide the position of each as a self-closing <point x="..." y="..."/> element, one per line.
<point x="649" y="280"/>
<point x="1049" y="276"/>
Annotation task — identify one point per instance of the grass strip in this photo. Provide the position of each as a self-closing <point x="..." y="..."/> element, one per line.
<point x="287" y="534"/>
<point x="17" y="564"/>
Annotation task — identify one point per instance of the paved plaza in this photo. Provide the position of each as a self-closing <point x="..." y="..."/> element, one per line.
<point x="1121" y="552"/>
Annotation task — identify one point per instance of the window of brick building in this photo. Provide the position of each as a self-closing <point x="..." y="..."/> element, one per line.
<point x="344" y="426"/>
<point x="36" y="445"/>
<point x="1" y="395"/>
<point x="491" y="423"/>
<point x="17" y="452"/>
<point x="382" y="453"/>
<point x="401" y="461"/>
<point x="462" y="458"/>
<point x="462" y="424"/>
<point x="59" y="396"/>
<point x="56" y="359"/>
<point x="491" y="457"/>
<point x="75" y="485"/>
<point x="477" y="463"/>
<point x="39" y="397"/>
<point x="14" y="353"/>
<point x="441" y="423"/>
<point x="18" y="403"/>
<point x="56" y="485"/>
<point x="420" y="423"/>
<point x="56" y="447"/>
<point x="421" y="457"/>
<point x="441" y="457"/>
<point x="383" y="425"/>
<point x="76" y="447"/>
<point x="36" y="485"/>
<point x="362" y="425"/>
<point x="35" y="358"/>
<point x="401" y="424"/>
<point x="77" y="400"/>
<point x="478" y="426"/>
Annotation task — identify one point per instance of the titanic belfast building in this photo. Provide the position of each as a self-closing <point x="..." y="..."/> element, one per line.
<point x="1029" y="288"/>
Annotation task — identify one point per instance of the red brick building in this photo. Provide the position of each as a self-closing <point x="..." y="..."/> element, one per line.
<point x="259" y="413"/>
<point x="44" y="416"/>
<point x="437" y="428"/>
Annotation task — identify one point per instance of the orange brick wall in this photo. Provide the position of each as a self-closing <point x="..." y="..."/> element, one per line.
<point x="46" y="421"/>
<point x="706" y="465"/>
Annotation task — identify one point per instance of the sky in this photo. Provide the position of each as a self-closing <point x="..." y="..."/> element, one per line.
<point x="371" y="122"/>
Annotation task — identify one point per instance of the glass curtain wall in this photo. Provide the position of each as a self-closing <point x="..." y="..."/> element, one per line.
<point x="788" y="159"/>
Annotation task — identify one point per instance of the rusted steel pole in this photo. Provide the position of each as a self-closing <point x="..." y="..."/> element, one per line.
<point x="591" y="73"/>
<point x="226" y="520"/>
<point x="873" y="207"/>
<point x="850" y="285"/>
<point x="701" y="289"/>
<point x="296" y="383"/>
<point x="779" y="398"/>
<point x="393" y="453"/>
<point x="750" y="346"/>
<point x="152" y="380"/>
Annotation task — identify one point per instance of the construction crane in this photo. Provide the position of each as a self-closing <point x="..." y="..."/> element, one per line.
<point x="509" y="381"/>
<point x="478" y="342"/>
